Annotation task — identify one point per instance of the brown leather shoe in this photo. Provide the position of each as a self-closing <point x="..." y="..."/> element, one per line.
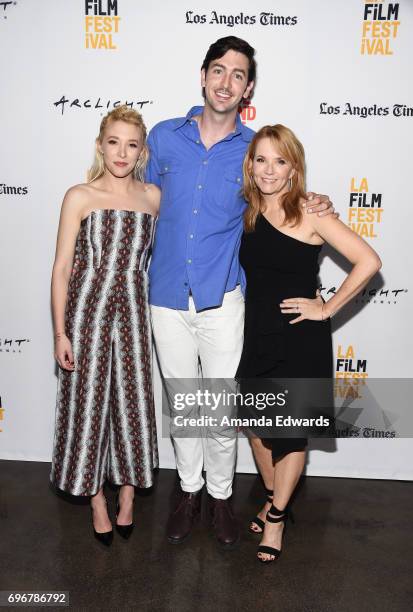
<point x="183" y="517"/>
<point x="224" y="521"/>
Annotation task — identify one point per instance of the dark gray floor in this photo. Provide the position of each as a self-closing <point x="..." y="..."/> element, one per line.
<point x="350" y="549"/>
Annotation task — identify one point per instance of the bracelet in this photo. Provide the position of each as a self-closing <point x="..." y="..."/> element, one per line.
<point x="322" y="313"/>
<point x="59" y="335"/>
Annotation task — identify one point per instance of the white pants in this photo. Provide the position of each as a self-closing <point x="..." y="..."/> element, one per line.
<point x="215" y="337"/>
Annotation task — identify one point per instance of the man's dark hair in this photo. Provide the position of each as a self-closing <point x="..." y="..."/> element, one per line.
<point x="231" y="43"/>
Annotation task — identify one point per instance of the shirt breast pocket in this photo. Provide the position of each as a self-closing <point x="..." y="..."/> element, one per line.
<point x="171" y="178"/>
<point x="231" y="189"/>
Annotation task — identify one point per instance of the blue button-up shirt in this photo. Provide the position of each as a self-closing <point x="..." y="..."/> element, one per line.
<point x="200" y="221"/>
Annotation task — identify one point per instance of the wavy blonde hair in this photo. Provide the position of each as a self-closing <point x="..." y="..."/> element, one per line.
<point x="129" y="115"/>
<point x="292" y="151"/>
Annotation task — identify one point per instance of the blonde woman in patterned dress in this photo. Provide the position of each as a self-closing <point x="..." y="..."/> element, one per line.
<point x="105" y="421"/>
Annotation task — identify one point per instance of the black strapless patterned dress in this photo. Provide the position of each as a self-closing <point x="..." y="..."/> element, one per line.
<point x="277" y="267"/>
<point x="105" y="418"/>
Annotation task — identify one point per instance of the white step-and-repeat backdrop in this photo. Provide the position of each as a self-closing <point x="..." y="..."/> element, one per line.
<point x="338" y="73"/>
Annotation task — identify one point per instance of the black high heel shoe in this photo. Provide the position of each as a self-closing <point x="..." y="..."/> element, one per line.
<point x="105" y="537"/>
<point x="282" y="516"/>
<point x="125" y="531"/>
<point x="256" y="520"/>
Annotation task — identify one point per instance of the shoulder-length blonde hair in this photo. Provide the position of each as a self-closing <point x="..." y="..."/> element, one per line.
<point x="292" y="151"/>
<point x="120" y="113"/>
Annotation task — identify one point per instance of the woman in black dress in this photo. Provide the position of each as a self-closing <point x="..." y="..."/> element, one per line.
<point x="287" y="327"/>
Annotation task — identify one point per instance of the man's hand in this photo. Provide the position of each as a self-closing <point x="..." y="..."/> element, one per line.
<point x="320" y="204"/>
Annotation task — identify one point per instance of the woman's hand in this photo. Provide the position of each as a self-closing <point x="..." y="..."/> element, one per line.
<point x="305" y="308"/>
<point x="63" y="353"/>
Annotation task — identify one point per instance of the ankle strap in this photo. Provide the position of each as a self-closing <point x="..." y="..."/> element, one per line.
<point x="276" y="519"/>
<point x="274" y="510"/>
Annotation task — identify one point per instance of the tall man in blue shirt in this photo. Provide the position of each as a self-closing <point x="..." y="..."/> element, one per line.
<point x="196" y="300"/>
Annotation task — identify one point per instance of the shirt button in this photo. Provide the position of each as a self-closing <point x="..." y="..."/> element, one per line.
<point x="205" y="162"/>
<point x="197" y="142"/>
<point x="199" y="186"/>
<point x="195" y="211"/>
<point x="238" y="179"/>
<point x="191" y="236"/>
<point x="189" y="260"/>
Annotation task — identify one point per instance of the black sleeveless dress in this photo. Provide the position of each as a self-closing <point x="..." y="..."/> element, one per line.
<point x="278" y="267"/>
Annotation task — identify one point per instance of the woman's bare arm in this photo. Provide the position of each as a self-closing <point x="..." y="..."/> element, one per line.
<point x="366" y="263"/>
<point x="69" y="224"/>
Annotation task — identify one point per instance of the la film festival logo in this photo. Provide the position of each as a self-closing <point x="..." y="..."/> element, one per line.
<point x="230" y="20"/>
<point x="364" y="212"/>
<point x="366" y="419"/>
<point x="380" y="28"/>
<point x="351" y="373"/>
<point x="347" y="365"/>
<point x="101" y="24"/>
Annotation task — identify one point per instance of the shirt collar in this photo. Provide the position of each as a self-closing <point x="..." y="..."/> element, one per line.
<point x="195" y="110"/>
<point x="239" y="129"/>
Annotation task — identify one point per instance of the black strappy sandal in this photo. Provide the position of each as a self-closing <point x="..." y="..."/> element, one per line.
<point x="269" y="550"/>
<point x="256" y="520"/>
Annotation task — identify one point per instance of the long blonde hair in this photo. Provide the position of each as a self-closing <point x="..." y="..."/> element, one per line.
<point x="292" y="150"/>
<point x="129" y="115"/>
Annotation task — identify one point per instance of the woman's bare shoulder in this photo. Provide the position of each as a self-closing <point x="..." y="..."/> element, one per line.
<point x="78" y="198"/>
<point x="79" y="193"/>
